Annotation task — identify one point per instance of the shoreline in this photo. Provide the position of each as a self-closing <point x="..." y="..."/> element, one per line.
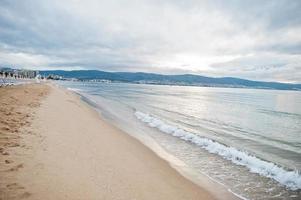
<point x="217" y="189"/>
<point x="75" y="154"/>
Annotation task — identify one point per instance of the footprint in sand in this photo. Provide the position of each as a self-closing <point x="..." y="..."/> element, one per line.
<point x="14" y="186"/>
<point x="8" y="161"/>
<point x="6" y="128"/>
<point x="25" y="195"/>
<point x="16" y="168"/>
<point x="13" y="144"/>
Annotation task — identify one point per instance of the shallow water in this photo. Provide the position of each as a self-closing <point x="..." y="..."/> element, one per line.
<point x="247" y="139"/>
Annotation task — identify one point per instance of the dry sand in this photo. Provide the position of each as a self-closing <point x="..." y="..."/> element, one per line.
<point x="17" y="109"/>
<point x="68" y="152"/>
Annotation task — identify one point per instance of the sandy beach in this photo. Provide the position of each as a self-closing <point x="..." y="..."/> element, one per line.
<point x="55" y="146"/>
<point x="18" y="106"/>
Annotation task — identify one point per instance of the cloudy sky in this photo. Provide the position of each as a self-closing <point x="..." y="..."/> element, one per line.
<point x="251" y="39"/>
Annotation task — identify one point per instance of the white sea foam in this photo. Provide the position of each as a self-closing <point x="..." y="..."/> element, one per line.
<point x="74" y="89"/>
<point x="290" y="179"/>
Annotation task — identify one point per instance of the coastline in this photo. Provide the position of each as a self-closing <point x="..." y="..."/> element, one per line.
<point x="72" y="153"/>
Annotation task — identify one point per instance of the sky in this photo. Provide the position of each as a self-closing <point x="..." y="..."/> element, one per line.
<point x="253" y="39"/>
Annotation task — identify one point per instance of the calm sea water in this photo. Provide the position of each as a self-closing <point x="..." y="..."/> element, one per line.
<point x="246" y="139"/>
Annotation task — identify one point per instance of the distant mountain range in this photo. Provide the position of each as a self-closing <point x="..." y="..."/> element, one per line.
<point x="185" y="79"/>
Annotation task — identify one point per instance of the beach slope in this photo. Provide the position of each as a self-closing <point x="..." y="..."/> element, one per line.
<point x="69" y="152"/>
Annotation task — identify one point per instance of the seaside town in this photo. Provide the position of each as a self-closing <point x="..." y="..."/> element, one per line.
<point x="18" y="73"/>
<point x="9" y="75"/>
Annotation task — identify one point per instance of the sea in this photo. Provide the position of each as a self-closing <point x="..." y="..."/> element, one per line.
<point x="247" y="140"/>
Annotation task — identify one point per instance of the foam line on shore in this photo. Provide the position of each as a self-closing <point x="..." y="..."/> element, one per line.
<point x="290" y="179"/>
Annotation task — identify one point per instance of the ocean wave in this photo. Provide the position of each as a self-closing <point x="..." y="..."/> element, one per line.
<point x="74" y="89"/>
<point x="290" y="179"/>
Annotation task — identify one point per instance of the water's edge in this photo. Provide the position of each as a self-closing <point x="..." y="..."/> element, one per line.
<point x="212" y="151"/>
<point x="217" y="189"/>
<point x="290" y="179"/>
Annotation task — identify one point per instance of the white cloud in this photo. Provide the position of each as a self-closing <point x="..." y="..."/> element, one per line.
<point x="23" y="59"/>
<point x="209" y="37"/>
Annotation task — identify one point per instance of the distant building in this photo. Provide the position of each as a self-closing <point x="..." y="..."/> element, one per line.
<point x="6" y="72"/>
<point x="25" y="73"/>
<point x="54" y="77"/>
<point x="17" y="73"/>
